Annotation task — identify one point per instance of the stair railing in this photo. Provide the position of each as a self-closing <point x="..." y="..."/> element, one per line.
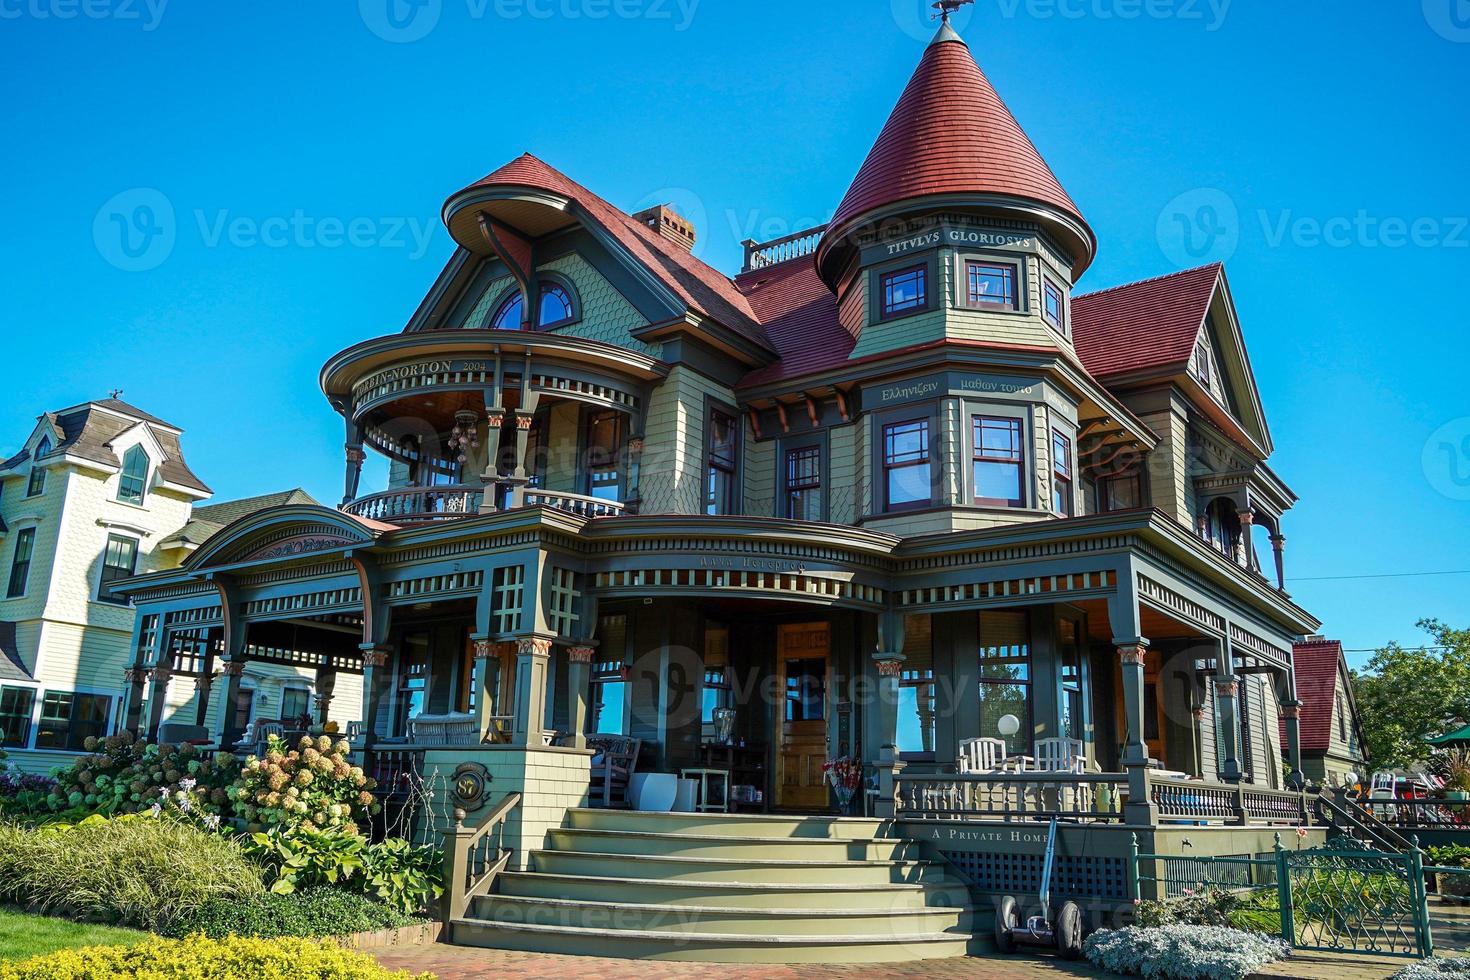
<point x="472" y="859"/>
<point x="1355" y="820"/>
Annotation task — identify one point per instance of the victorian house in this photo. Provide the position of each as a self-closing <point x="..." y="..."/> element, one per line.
<point x="100" y="492"/>
<point x="901" y="489"/>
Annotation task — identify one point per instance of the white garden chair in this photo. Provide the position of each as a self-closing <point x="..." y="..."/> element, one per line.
<point x="1383" y="786"/>
<point x="1059" y="755"/>
<point x="981" y="755"/>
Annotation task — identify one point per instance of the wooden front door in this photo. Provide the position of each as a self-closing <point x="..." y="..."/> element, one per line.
<point x="802" y="654"/>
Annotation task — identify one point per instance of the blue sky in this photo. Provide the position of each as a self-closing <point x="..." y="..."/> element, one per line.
<point x="295" y="157"/>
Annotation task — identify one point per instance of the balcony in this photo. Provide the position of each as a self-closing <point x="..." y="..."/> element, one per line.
<point x="422" y="505"/>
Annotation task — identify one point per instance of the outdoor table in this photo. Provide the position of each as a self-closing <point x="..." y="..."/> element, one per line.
<point x="702" y="800"/>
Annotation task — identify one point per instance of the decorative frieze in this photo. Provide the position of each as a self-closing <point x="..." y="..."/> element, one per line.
<point x="724" y="579"/>
<point x="1103" y="581"/>
<point x="1161" y="595"/>
<point x="1245" y="640"/>
<point x="287" y="605"/>
<point x="455" y="583"/>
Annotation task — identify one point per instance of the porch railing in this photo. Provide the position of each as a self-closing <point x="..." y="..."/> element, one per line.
<point x="1197" y="801"/>
<point x="473" y="857"/>
<point x="1426" y="814"/>
<point x="415" y="504"/>
<point x="1011" y="796"/>
<point x="575" y="503"/>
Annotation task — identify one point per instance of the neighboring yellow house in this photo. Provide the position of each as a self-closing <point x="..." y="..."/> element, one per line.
<point x="99" y="492"/>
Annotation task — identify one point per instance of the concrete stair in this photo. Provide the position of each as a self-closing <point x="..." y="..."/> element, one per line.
<point x="725" y="888"/>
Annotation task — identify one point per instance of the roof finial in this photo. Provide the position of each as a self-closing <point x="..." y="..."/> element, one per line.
<point x="947" y="7"/>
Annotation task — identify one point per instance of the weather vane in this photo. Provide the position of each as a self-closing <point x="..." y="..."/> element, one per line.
<point x="115" y="393"/>
<point x="947" y="7"/>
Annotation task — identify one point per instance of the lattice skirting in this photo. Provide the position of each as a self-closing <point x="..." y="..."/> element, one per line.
<point x="1020" y="874"/>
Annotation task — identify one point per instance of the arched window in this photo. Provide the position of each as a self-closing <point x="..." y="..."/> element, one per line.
<point x="37" y="483"/>
<point x="508" y="316"/>
<point x="133" y="483"/>
<point x="556" y="305"/>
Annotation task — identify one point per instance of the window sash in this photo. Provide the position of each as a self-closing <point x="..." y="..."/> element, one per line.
<point x="905" y="290"/>
<point x="503" y="319"/>
<point x="604" y="455"/>
<point x="990" y="284"/>
<point x="119" y="561"/>
<point x="999" y="461"/>
<point x="68" y="718"/>
<point x="36" y="485"/>
<point x="16" y="706"/>
<point x="20" y="566"/>
<point x="803" y="483"/>
<point x="1061" y="464"/>
<point x="134" y="478"/>
<point x="563" y="299"/>
<point x="722" y="463"/>
<point x="1054" y="305"/>
<point x="905" y="451"/>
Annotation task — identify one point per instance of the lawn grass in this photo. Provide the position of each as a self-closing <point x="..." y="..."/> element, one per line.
<point x="23" y="935"/>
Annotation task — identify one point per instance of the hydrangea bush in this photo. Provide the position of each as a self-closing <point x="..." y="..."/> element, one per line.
<point x="311" y="785"/>
<point x="1181" y="952"/>
<point x="124" y="775"/>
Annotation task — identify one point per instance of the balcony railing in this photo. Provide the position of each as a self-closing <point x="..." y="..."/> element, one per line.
<point x="409" y="505"/>
<point x="415" y="505"/>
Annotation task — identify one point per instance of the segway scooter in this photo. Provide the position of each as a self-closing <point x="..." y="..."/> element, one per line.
<point x="1063" y="931"/>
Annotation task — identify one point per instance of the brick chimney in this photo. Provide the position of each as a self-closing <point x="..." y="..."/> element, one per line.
<point x="664" y="220"/>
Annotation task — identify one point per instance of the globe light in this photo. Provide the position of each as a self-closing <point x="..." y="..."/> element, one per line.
<point x="1008" y="725"/>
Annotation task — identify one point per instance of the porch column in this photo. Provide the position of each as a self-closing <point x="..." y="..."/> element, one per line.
<point x="494" y="419"/>
<point x="1227" y="688"/>
<point x="1291" y="714"/>
<point x="355" y="457"/>
<point x="234" y="672"/>
<point x="485" y="667"/>
<point x="579" y="677"/>
<point x="202" y="685"/>
<point x="890" y="666"/>
<point x="157" y="696"/>
<point x="1140" y="808"/>
<point x="533" y="654"/>
<point x="326" y="687"/>
<point x="523" y="440"/>
<point x="374" y="662"/>
<point x="1278" y="549"/>
<point x="1198" y="713"/>
<point x="1247" y="522"/>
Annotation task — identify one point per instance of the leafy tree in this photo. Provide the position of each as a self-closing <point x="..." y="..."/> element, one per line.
<point x="1405" y="696"/>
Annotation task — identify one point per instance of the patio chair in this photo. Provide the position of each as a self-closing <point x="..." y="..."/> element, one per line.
<point x="981" y="755"/>
<point x="614" y="761"/>
<point x="1059" y="755"/>
<point x="454" y="728"/>
<point x="1383" y="786"/>
<point x="263" y="731"/>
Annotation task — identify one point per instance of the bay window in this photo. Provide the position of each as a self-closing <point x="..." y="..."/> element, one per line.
<point x="723" y="441"/>
<point x="904" y="291"/>
<point x="906" y="465"/>
<point x="1053" y="306"/>
<point x="991" y="284"/>
<point x="999" y="462"/>
<point x="1061" y="474"/>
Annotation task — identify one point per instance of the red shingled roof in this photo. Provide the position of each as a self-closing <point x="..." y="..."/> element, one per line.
<point x="1316" y="663"/>
<point x="1143" y="325"/>
<point x="799" y="313"/>
<point x="950" y="133"/>
<point x="703" y="288"/>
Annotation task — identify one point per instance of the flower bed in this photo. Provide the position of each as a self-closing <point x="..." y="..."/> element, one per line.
<point x="198" y="958"/>
<point x="1181" y="952"/>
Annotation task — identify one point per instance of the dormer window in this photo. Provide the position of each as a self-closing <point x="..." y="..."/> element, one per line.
<point x="991" y="284"/>
<point x="132" y="484"/>
<point x="37" y="483"/>
<point x="905" y="291"/>
<point x="509" y="315"/>
<point x="1053" y="306"/>
<point x="556" y="307"/>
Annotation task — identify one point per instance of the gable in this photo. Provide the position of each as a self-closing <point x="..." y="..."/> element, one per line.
<point x="294" y="530"/>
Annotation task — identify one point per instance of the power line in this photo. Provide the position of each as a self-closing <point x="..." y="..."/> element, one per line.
<point x="1340" y="578"/>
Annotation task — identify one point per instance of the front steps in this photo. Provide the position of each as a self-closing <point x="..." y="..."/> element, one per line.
<point x="725" y="888"/>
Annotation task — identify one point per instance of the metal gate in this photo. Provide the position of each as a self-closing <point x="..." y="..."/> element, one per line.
<point x="1328" y="898"/>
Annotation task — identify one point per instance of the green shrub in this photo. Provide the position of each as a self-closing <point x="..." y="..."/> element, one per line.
<point x="198" y="958"/>
<point x="402" y="876"/>
<point x="1435" y="968"/>
<point x="316" y="912"/>
<point x="130" y="870"/>
<point x="1182" y="952"/>
<point x="1211" y="906"/>
<point x="311" y="785"/>
<point x="123" y="775"/>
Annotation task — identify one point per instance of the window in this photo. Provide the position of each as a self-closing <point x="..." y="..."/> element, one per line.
<point x="556" y="306"/>
<point x="295" y="703"/>
<point x="905" y="291"/>
<point x="119" y="561"/>
<point x="510" y="313"/>
<point x="1061" y="474"/>
<point x="609" y="679"/>
<point x="724" y="461"/>
<point x="20" y="564"/>
<point x="37" y="483"/>
<point x="604" y="455"/>
<point x="1121" y="492"/>
<point x="906" y="481"/>
<point x="990" y="284"/>
<point x="1054" y="306"/>
<point x="413" y="681"/>
<point x="999" y="462"/>
<point x="804" y="483"/>
<point x="916" y="690"/>
<point x="133" y="482"/>
<point x="68" y="719"/>
<point x="1202" y="363"/>
<point x="1342" y="725"/>
<point x="1072" y="681"/>
<point x="716" y="692"/>
<point x="1005" y="677"/>
<point x="15" y="716"/>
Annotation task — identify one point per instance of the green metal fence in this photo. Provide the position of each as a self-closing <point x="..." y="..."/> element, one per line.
<point x="1327" y="898"/>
